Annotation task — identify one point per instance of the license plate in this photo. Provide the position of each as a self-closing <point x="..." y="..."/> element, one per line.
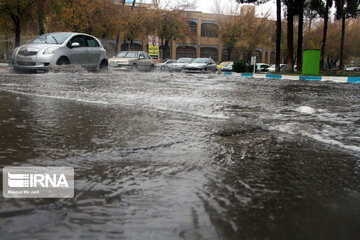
<point x="26" y="59"/>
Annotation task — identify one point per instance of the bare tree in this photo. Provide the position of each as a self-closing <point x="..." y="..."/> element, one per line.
<point x="172" y="5"/>
<point x="16" y="11"/>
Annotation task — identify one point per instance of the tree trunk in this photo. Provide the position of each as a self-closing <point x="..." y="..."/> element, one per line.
<point x="323" y="43"/>
<point x="161" y="47"/>
<point x="117" y="43"/>
<point x="165" y="49"/>
<point x="248" y="59"/>
<point x="41" y="23"/>
<point x="133" y="5"/>
<point x="300" y="36"/>
<point x="328" y="61"/>
<point x="7" y="54"/>
<point x="229" y="53"/>
<point x="290" y="37"/>
<point x="341" y="66"/>
<point x="278" y="35"/>
<point x="41" y="16"/>
<point x="17" y="32"/>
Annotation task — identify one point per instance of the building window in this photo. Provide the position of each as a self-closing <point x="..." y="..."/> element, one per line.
<point x="209" y="30"/>
<point x="185" y="52"/>
<point x="209" y="52"/>
<point x="193" y="28"/>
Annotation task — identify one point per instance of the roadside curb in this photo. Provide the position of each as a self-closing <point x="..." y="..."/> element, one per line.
<point x="4" y="65"/>
<point x="308" y="78"/>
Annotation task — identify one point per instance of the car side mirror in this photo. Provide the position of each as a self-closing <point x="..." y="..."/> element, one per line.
<point x="141" y="57"/>
<point x="75" y="45"/>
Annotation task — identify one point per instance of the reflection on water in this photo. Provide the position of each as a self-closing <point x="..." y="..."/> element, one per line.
<point x="175" y="156"/>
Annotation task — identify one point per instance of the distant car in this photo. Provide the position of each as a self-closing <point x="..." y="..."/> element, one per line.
<point x="272" y="68"/>
<point x="132" y="60"/>
<point x="180" y="64"/>
<point x="354" y="69"/>
<point x="60" y="48"/>
<point x="228" y="67"/>
<point x="155" y="58"/>
<point x="165" y="65"/>
<point x="223" y="64"/>
<point x="262" y="67"/>
<point x="201" y="65"/>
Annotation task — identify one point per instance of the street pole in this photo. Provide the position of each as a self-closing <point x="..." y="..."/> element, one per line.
<point x="253" y="62"/>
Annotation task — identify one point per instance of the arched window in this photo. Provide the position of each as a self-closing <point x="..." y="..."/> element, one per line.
<point x="258" y="56"/>
<point x="185" y="52"/>
<point x="272" y="57"/>
<point x="210" y="30"/>
<point x="206" y="52"/>
<point x="193" y="27"/>
<point x="235" y="55"/>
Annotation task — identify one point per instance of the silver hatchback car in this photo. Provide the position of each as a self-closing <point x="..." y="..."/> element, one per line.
<point x="60" y="48"/>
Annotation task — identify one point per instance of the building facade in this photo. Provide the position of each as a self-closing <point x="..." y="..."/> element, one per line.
<point x="205" y="41"/>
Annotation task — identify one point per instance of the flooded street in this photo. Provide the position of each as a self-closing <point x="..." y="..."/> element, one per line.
<point x="183" y="156"/>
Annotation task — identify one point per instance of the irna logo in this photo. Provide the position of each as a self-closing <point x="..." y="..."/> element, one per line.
<point x="37" y="180"/>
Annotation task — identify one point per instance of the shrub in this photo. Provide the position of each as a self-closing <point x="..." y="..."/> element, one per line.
<point x="250" y="68"/>
<point x="241" y="66"/>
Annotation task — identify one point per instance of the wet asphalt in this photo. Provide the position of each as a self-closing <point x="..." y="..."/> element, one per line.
<point x="183" y="156"/>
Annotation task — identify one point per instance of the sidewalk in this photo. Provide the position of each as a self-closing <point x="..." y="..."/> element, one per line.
<point x="4" y="65"/>
<point x="293" y="77"/>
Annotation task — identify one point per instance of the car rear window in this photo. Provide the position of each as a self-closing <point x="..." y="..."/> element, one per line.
<point x="131" y="55"/>
<point x="127" y="55"/>
<point x="200" y="60"/>
<point x="183" y="60"/>
<point x="92" y="42"/>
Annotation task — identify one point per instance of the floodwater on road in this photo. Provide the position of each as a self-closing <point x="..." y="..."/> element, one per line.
<point x="183" y="156"/>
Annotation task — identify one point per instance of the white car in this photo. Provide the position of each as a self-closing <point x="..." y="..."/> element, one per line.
<point x="180" y="64"/>
<point x="262" y="67"/>
<point x="164" y="65"/>
<point x="132" y="60"/>
<point x="352" y="69"/>
<point x="201" y="65"/>
<point x="272" y="67"/>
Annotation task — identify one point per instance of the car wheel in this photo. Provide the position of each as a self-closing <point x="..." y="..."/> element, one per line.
<point x="63" y="61"/>
<point x="151" y="68"/>
<point x="104" y="65"/>
<point x="134" y="67"/>
<point x="161" y="69"/>
<point x="204" y="70"/>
